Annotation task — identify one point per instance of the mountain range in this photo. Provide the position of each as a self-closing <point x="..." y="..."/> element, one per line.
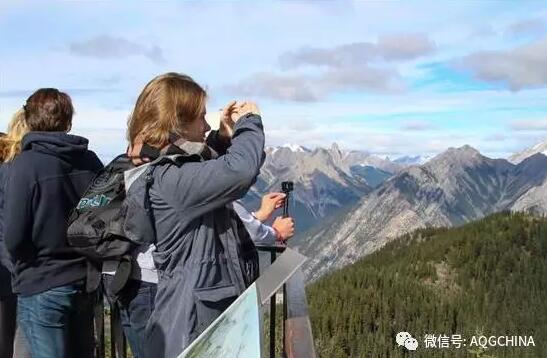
<point x="353" y="216"/>
<point x="325" y="180"/>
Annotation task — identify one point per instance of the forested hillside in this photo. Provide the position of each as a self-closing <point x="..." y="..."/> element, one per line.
<point x="486" y="278"/>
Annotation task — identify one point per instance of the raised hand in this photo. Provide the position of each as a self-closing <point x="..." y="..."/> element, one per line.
<point x="226" y="128"/>
<point x="243" y="108"/>
<point x="270" y="202"/>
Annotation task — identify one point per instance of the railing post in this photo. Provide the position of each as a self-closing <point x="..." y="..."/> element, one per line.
<point x="284" y="318"/>
<point x="273" y="256"/>
<point x="118" y="347"/>
<point x="98" y="319"/>
<point x="298" y="334"/>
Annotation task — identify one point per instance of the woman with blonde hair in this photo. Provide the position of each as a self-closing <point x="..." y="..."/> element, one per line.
<point x="10" y="146"/>
<point x="203" y="253"/>
<point x="10" y="143"/>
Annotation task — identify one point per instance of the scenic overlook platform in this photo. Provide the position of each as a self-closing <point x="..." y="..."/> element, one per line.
<point x="288" y="335"/>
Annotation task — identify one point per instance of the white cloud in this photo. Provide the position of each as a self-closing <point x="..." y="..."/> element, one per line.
<point x="111" y="47"/>
<point x="520" y="68"/>
<point x="387" y="48"/>
<point x="529" y="26"/>
<point x="316" y="87"/>
<point x="348" y="68"/>
<point x="280" y="87"/>
<point x="529" y="125"/>
<point x="417" y="125"/>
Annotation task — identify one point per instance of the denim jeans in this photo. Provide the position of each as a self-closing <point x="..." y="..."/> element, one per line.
<point x="135" y="303"/>
<point x="58" y="323"/>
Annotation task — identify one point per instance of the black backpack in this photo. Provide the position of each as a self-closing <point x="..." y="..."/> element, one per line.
<point x="96" y="227"/>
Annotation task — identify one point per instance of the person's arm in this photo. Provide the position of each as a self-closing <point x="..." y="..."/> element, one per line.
<point x="18" y="213"/>
<point x="259" y="233"/>
<point x="204" y="186"/>
<point x="269" y="203"/>
<point x="217" y="142"/>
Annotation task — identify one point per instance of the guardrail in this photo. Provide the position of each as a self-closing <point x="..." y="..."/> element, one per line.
<point x="108" y="325"/>
<point x="296" y="328"/>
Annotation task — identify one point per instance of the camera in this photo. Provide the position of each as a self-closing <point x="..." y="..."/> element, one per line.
<point x="287" y="186"/>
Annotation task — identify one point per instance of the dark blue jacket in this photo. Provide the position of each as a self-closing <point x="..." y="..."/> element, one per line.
<point x="6" y="266"/>
<point x="45" y="182"/>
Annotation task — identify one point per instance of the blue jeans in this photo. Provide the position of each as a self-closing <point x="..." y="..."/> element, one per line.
<point x="135" y="303"/>
<point x="58" y="323"/>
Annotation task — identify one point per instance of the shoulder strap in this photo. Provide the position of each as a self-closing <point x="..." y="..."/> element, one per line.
<point x="149" y="180"/>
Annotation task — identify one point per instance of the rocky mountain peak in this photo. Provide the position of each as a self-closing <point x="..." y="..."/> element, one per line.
<point x="463" y="151"/>
<point x="464" y="156"/>
<point x="336" y="153"/>
<point x="295" y="148"/>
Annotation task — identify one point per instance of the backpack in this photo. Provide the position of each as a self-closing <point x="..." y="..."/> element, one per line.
<point x="97" y="226"/>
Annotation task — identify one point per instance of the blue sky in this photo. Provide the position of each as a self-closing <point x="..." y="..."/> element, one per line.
<point x="392" y="78"/>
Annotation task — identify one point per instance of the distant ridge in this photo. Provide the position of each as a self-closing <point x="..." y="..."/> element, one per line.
<point x="455" y="187"/>
<point x="520" y="156"/>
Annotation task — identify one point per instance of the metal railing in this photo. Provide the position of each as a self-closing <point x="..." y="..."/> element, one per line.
<point x="116" y="344"/>
<point x="296" y="330"/>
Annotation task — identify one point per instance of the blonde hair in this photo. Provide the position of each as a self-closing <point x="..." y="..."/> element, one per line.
<point x="165" y="105"/>
<point x="10" y="145"/>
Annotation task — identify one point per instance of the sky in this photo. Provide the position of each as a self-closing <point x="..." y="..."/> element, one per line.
<point x="390" y="78"/>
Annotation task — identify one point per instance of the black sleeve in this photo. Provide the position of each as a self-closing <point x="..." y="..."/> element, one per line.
<point x="219" y="144"/>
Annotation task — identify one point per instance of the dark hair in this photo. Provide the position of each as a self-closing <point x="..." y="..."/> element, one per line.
<point x="49" y="110"/>
<point x="2" y="134"/>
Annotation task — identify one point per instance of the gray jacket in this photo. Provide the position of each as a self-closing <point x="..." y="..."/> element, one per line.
<point x="204" y="256"/>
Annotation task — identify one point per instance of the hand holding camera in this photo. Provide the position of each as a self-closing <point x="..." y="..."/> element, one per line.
<point x="270" y="202"/>
<point x="231" y="113"/>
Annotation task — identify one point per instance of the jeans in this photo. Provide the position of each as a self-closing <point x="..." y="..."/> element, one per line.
<point x="58" y="323"/>
<point x="135" y="303"/>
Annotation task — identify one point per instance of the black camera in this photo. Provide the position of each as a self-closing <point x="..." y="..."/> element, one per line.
<point x="287" y="186"/>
